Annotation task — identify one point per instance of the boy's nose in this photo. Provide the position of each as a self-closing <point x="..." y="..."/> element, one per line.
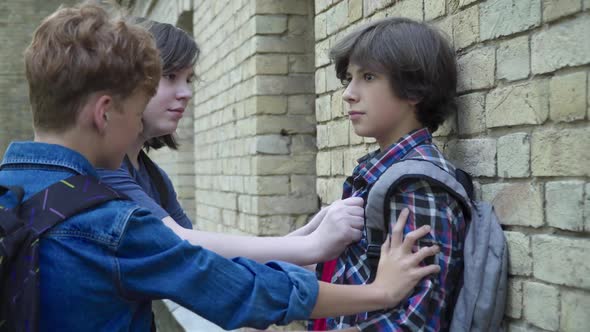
<point x="184" y="92"/>
<point x="349" y="96"/>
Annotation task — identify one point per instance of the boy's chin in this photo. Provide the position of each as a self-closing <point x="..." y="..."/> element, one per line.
<point x="159" y="132"/>
<point x="361" y="133"/>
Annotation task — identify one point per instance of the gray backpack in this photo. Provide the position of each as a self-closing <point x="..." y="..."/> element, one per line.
<point x="481" y="301"/>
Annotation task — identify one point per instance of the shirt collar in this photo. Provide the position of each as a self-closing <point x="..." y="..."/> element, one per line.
<point x="51" y="155"/>
<point x="372" y="165"/>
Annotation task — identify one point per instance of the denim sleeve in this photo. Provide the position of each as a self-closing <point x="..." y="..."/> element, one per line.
<point x="153" y="263"/>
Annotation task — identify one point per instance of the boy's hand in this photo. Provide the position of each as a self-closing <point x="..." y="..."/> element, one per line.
<point x="399" y="271"/>
<point x="342" y="225"/>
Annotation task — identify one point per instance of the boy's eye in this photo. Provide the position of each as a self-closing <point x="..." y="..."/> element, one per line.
<point x="190" y="79"/>
<point x="369" y="77"/>
<point x="170" y="76"/>
<point x="345" y="81"/>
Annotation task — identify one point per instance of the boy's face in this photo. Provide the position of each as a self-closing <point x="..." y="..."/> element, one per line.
<point x="124" y="127"/>
<point x="374" y="110"/>
<point x="167" y="107"/>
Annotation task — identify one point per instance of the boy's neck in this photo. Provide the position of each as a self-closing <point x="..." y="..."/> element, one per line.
<point x="82" y="144"/>
<point x="398" y="132"/>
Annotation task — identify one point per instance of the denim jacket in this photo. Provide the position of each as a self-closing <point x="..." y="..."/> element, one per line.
<point x="101" y="268"/>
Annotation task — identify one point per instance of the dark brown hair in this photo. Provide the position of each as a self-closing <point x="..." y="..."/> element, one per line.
<point x="417" y="59"/>
<point x="82" y="50"/>
<point x="178" y="50"/>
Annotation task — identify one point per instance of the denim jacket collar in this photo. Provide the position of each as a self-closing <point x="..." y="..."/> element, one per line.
<point x="47" y="155"/>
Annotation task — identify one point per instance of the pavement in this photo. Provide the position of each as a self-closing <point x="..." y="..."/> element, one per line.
<point x="180" y="319"/>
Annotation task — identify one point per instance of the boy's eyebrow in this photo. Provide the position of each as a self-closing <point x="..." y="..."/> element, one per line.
<point x="359" y="68"/>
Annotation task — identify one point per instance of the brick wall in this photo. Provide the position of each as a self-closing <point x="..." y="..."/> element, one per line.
<point x="254" y="122"/>
<point x="522" y="129"/>
<point x="18" y="20"/>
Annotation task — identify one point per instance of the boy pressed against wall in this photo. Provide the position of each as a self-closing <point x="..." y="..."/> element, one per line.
<point x="90" y="77"/>
<point x="400" y="81"/>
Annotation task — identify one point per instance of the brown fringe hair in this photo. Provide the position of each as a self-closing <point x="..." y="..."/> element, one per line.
<point x="81" y="50"/>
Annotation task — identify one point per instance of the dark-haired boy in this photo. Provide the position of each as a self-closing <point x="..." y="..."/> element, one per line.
<point x="400" y="79"/>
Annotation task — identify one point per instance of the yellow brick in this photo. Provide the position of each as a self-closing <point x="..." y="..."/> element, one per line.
<point x="271" y="64"/>
<point x="549" y="252"/>
<point x="337" y="17"/>
<point x="561" y="152"/>
<point x="338" y="133"/>
<point x="355" y="10"/>
<point x="476" y="69"/>
<point x="524" y="103"/>
<point x="434" y="9"/>
<point x="466" y="27"/>
<point x="514" y="301"/>
<point x="519" y="204"/>
<point x="513" y="59"/>
<point x="554" y="9"/>
<point x="542" y="305"/>
<point x="411" y="9"/>
<point x="271" y="24"/>
<point x="519" y="252"/>
<point x="567" y="101"/>
<point x="514" y="155"/>
<point x="505" y="17"/>
<point x="560" y="45"/>
<point x="471" y="113"/>
<point x="575" y="306"/>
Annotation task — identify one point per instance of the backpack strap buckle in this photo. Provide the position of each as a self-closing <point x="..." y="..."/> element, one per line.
<point x="375" y="239"/>
<point x="373" y="251"/>
<point x="373" y="255"/>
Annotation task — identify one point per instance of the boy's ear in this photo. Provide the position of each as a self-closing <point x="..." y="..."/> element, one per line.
<point x="101" y="107"/>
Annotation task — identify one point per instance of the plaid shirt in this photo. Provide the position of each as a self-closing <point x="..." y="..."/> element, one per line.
<point x="430" y="306"/>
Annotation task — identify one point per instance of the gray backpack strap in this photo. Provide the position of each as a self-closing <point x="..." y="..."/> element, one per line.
<point x="481" y="300"/>
<point x="377" y="208"/>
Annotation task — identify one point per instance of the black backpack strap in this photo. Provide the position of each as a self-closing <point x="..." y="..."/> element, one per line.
<point x="466" y="181"/>
<point x="64" y="199"/>
<point x="10" y="223"/>
<point x="155" y="175"/>
<point x="19" y="306"/>
<point x="18" y="192"/>
<point x="375" y="239"/>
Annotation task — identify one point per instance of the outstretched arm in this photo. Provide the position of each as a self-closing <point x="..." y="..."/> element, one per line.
<point x="398" y="273"/>
<point x="323" y="238"/>
<point x="340" y="226"/>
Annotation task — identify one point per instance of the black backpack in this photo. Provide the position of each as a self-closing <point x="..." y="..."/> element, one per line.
<point x="20" y="229"/>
